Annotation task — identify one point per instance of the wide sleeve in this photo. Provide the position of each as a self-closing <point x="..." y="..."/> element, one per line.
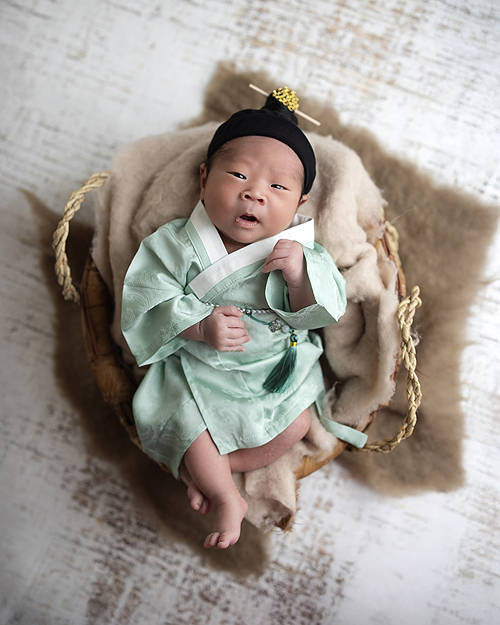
<point x="328" y="286"/>
<point x="155" y="309"/>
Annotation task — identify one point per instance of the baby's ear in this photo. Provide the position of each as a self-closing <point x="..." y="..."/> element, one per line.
<point x="303" y="199"/>
<point x="203" y="179"/>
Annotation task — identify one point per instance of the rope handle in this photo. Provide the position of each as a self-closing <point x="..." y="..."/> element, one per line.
<point x="405" y="314"/>
<point x="62" y="269"/>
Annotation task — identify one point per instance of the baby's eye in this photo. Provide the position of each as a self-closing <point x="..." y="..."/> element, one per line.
<point x="278" y="186"/>
<point x="237" y="174"/>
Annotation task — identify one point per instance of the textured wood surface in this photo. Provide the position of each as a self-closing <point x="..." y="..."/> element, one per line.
<point x="81" y="79"/>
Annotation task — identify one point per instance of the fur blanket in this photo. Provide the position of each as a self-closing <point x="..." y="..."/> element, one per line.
<point x="443" y="235"/>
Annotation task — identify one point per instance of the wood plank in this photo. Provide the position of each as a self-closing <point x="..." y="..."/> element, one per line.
<point x="78" y="543"/>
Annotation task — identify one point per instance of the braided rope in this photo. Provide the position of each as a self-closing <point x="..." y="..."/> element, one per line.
<point x="62" y="269"/>
<point x="405" y="314"/>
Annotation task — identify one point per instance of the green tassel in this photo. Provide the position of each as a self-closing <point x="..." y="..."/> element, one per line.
<point x="280" y="378"/>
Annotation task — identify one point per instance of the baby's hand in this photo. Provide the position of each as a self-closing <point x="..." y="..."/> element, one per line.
<point x="224" y="330"/>
<point x="289" y="257"/>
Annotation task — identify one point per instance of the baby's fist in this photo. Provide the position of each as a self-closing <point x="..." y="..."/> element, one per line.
<point x="224" y="330"/>
<point x="288" y="256"/>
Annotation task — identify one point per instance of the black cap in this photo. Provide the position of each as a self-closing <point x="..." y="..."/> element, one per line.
<point x="275" y="120"/>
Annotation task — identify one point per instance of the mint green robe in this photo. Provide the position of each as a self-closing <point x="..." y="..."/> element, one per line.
<point x="179" y="273"/>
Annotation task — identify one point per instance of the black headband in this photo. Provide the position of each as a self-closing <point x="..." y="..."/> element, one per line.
<point x="274" y="120"/>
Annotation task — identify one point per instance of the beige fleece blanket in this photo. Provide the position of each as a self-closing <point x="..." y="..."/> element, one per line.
<point x="157" y="179"/>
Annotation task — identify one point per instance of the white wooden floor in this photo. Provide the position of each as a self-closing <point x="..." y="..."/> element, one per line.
<point x="78" y="80"/>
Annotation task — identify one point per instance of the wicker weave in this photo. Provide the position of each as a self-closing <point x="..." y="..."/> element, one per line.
<point x="114" y="377"/>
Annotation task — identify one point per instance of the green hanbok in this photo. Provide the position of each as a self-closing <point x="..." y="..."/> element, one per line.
<point x="176" y="278"/>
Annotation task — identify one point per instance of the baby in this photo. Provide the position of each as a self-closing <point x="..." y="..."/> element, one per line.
<point x="221" y="306"/>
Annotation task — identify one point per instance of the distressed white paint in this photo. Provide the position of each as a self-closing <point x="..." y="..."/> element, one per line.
<point x="81" y="79"/>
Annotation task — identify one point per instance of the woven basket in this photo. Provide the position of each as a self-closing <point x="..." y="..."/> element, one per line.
<point x="116" y="381"/>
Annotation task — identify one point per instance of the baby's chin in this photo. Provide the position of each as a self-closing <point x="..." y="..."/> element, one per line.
<point x="248" y="236"/>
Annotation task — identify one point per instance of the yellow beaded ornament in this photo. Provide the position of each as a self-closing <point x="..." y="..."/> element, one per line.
<point x="287" y="97"/>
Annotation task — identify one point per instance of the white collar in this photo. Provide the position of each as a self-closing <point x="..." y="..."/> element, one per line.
<point x="224" y="264"/>
<point x="301" y="229"/>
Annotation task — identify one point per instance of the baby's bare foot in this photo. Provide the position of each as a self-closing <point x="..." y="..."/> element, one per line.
<point x="198" y="500"/>
<point x="227" y="526"/>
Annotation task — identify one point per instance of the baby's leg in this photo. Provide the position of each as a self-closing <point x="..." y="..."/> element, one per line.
<point x="257" y="457"/>
<point x="211" y="474"/>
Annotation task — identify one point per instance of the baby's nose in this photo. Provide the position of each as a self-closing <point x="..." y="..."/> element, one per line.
<point x="254" y="193"/>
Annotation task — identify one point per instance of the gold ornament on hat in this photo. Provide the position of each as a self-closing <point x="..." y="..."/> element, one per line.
<point x="287" y="97"/>
<point x="291" y="100"/>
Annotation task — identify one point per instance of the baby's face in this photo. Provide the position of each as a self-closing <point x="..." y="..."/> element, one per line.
<point x="253" y="190"/>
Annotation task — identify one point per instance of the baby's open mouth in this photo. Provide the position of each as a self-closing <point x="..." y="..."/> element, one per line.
<point x="247" y="221"/>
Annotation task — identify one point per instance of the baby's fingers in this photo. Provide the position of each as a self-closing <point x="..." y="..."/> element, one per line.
<point x="236" y="347"/>
<point x="235" y="323"/>
<point x="282" y="253"/>
<point x="274" y="263"/>
<point x="228" y="311"/>
<point x="235" y="343"/>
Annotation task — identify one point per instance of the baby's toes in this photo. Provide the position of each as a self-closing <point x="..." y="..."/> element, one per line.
<point x="211" y="540"/>
<point x="225" y="540"/>
<point x="206" y="507"/>
<point x="196" y="497"/>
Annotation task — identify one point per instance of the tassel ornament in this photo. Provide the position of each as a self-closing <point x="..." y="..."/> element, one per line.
<point x="281" y="377"/>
